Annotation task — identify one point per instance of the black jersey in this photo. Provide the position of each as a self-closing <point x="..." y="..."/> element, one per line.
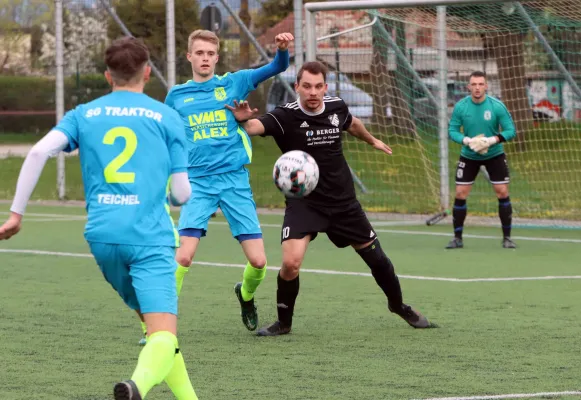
<point x="318" y="134"/>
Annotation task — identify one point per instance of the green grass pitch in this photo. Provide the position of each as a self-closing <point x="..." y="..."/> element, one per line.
<point x="544" y="178"/>
<point x="65" y="334"/>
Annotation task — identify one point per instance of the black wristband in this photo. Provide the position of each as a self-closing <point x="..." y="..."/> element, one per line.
<point x="500" y="138"/>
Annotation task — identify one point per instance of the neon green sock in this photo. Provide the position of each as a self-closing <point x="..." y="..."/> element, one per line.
<point x="155" y="361"/>
<point x="144" y="328"/>
<point x="180" y="274"/>
<point x="179" y="381"/>
<point x="251" y="280"/>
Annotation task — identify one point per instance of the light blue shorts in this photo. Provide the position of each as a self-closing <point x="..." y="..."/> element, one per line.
<point x="232" y="193"/>
<point x="144" y="276"/>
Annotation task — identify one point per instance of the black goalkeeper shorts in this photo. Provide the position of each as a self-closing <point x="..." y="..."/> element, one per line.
<point x="496" y="167"/>
<point x="344" y="226"/>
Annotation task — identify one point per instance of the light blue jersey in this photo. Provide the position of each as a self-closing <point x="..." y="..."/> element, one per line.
<point x="218" y="149"/>
<point x="129" y="145"/>
<point x="216" y="143"/>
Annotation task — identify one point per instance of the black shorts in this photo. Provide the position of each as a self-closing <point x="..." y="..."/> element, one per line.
<point x="344" y="226"/>
<point x="496" y="167"/>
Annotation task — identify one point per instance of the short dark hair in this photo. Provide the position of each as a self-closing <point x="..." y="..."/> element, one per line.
<point x="312" y="67"/>
<point x="125" y="58"/>
<point x="477" y="74"/>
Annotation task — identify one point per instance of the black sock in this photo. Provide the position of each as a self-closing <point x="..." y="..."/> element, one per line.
<point x="505" y="214"/>
<point x="286" y="295"/>
<point x="459" y="215"/>
<point x="383" y="272"/>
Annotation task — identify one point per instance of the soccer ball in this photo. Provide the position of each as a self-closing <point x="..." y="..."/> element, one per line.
<point x="296" y="173"/>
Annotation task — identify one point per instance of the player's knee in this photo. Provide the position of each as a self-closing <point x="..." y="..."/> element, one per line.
<point x="291" y="265"/>
<point x="502" y="192"/>
<point x="375" y="257"/>
<point x="257" y="261"/>
<point x="462" y="193"/>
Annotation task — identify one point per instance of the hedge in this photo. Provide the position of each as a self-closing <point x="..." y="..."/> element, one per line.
<point x="26" y="93"/>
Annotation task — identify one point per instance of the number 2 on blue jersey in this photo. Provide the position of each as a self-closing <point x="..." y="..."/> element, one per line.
<point x="111" y="172"/>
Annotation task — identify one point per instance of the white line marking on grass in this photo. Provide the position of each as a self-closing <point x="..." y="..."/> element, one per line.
<point x="46" y="253"/>
<point x="48" y="215"/>
<point x="510" y="396"/>
<point x="403" y="232"/>
<point x="319" y="271"/>
<point x="54" y="219"/>
<point x="394" y="231"/>
<point x="535" y="239"/>
<point x="397" y="223"/>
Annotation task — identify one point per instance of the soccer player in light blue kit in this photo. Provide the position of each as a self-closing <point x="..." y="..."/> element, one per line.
<point x="218" y="150"/>
<point x="129" y="146"/>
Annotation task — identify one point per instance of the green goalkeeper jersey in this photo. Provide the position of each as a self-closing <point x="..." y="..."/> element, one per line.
<point x="490" y="118"/>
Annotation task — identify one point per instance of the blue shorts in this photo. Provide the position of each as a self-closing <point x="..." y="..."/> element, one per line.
<point x="144" y="276"/>
<point x="232" y="193"/>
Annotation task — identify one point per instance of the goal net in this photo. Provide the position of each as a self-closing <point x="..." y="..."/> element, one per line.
<point x="388" y="62"/>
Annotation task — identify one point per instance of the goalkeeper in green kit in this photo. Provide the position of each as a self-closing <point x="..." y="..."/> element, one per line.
<point x="481" y="116"/>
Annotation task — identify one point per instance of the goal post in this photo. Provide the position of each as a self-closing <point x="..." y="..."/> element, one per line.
<point x="96" y="11"/>
<point x="413" y="66"/>
<point x="59" y="92"/>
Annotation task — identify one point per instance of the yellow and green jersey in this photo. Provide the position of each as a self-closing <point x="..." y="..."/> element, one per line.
<point x="216" y="142"/>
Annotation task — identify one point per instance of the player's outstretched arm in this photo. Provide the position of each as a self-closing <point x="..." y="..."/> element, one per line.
<point x="358" y="129"/>
<point x="280" y="62"/>
<point x="243" y="114"/>
<point x="50" y="145"/>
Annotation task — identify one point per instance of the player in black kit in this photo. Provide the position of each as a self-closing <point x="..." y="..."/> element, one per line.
<point x="314" y="124"/>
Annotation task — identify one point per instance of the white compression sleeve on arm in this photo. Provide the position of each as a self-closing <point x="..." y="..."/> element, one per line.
<point x="49" y="146"/>
<point x="180" y="188"/>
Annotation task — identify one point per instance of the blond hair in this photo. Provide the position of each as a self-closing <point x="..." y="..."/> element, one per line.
<point x="207" y="36"/>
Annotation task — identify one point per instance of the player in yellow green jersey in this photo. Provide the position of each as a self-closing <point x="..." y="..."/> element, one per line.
<point x="218" y="150"/>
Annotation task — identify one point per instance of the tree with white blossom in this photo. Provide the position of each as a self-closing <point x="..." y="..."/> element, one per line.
<point x="85" y="40"/>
